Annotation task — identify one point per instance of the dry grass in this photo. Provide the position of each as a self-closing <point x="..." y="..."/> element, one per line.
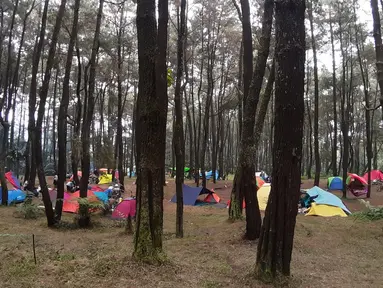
<point x="328" y="252"/>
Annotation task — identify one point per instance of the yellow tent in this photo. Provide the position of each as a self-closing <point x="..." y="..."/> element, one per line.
<point x="263" y="196"/>
<point x="230" y="177"/>
<point x="325" y="211"/>
<point x="106" y="179"/>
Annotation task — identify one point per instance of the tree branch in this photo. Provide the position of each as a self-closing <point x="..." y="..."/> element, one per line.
<point x="373" y="108"/>
<point x="238" y="10"/>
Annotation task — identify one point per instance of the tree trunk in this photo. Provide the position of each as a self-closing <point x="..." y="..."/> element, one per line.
<point x="316" y="98"/>
<point x="88" y="113"/>
<point x="32" y="97"/>
<point x="179" y="142"/>
<point x="150" y="129"/>
<point x="244" y="181"/>
<point x="63" y="111"/>
<point x="41" y="109"/>
<point x="276" y="241"/>
<point x="378" y="47"/>
<point x="334" y="101"/>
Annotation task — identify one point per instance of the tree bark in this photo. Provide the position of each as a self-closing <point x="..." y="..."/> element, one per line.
<point x="150" y="129"/>
<point x="276" y="241"/>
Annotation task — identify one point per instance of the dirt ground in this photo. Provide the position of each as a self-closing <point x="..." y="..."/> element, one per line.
<point x="328" y="252"/>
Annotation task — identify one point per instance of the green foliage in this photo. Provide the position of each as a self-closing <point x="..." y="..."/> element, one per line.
<point x="28" y="210"/>
<point x="169" y="77"/>
<point x="86" y="207"/>
<point x="371" y="214"/>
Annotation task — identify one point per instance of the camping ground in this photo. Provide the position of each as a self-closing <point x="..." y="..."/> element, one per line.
<point x="328" y="252"/>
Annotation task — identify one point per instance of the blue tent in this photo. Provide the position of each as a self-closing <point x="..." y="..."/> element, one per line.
<point x="209" y="174"/>
<point x="190" y="194"/>
<point x="320" y="196"/>
<point x="14" y="196"/>
<point x="335" y="183"/>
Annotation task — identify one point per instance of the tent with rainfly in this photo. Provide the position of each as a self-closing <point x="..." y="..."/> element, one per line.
<point x="191" y="194"/>
<point x="325" y="204"/>
<point x="105" y="179"/>
<point x="13" y="180"/>
<point x="335" y="183"/>
<point x="263" y="191"/>
<point x="14" y="196"/>
<point x="356" y="185"/>
<point x="376" y="175"/>
<point x="125" y="208"/>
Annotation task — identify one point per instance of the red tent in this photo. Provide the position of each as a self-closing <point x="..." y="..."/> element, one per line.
<point x="71" y="201"/>
<point x="376" y="175"/>
<point x="212" y="198"/>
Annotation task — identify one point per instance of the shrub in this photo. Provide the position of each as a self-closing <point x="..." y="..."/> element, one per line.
<point x="29" y="210"/>
<point x="370" y="214"/>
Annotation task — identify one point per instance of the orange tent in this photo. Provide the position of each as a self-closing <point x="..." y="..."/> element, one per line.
<point x="212" y="198"/>
<point x="71" y="203"/>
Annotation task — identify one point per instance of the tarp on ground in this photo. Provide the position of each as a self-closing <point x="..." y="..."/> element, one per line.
<point x="319" y="196"/>
<point x="13" y="180"/>
<point x="71" y="201"/>
<point x="325" y="211"/>
<point x="126" y="208"/>
<point x="335" y="183"/>
<point x="105" y="179"/>
<point x="14" y="196"/>
<point x="190" y="194"/>
<point x="376" y="175"/>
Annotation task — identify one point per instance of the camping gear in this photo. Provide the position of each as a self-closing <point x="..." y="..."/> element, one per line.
<point x="105" y="179"/>
<point x="209" y="174"/>
<point x="13" y="180"/>
<point x="79" y="174"/>
<point x="335" y="183"/>
<point x="125" y="208"/>
<point x="325" y="211"/>
<point x="212" y="198"/>
<point x="356" y="185"/>
<point x="14" y="196"/>
<point x="321" y="197"/>
<point x="259" y="181"/>
<point x="190" y="195"/>
<point x="376" y="176"/>
<point x="263" y="196"/>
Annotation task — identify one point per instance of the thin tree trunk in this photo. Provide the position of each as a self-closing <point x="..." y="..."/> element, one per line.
<point x="63" y="111"/>
<point x="179" y="143"/>
<point x="41" y="109"/>
<point x="316" y="98"/>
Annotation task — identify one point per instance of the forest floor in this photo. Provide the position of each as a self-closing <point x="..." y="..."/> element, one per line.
<point x="328" y="252"/>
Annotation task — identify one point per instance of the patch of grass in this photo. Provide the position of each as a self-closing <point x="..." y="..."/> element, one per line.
<point x="211" y="284"/>
<point x="22" y="267"/>
<point x="65" y="257"/>
<point x="371" y="214"/>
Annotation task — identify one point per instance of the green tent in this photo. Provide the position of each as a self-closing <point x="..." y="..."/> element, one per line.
<point x="186" y="169"/>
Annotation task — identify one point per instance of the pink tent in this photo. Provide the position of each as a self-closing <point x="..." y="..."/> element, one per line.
<point x="376" y="175"/>
<point x="126" y="208"/>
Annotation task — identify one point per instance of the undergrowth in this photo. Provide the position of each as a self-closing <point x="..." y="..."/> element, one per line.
<point x="370" y="214"/>
<point x="29" y="210"/>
